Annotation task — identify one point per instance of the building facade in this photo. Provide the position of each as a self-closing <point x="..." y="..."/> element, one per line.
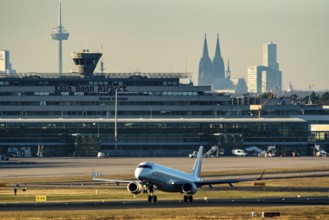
<point x="151" y="136"/>
<point x="76" y="115"/>
<point x="255" y="79"/>
<point x="140" y="114"/>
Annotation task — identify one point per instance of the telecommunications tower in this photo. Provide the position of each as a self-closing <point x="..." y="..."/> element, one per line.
<point x="59" y="33"/>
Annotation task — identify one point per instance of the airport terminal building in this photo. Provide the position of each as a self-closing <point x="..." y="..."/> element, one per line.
<point x="143" y="114"/>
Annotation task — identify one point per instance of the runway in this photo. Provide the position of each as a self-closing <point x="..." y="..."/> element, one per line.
<point x="68" y="167"/>
<point x="64" y="167"/>
<point x="130" y="204"/>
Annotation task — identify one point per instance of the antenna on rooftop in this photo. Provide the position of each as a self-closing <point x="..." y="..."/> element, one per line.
<point x="102" y="63"/>
<point x="291" y="88"/>
<point x="309" y="97"/>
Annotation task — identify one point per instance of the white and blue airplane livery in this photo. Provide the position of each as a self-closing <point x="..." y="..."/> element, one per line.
<point x="151" y="177"/>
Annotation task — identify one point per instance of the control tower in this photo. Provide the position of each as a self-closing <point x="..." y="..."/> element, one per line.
<point x="59" y="33"/>
<point x="86" y="62"/>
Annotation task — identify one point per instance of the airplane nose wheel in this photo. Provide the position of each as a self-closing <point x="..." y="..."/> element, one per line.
<point x="188" y="198"/>
<point x="152" y="198"/>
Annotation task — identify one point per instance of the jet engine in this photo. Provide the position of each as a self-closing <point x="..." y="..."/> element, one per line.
<point x="135" y="187"/>
<point x="189" y="188"/>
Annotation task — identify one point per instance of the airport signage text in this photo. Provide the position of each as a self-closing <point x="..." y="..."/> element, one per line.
<point x="90" y="89"/>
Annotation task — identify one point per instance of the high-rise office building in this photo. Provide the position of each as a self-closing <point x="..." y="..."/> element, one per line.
<point x="272" y="77"/>
<point x="269" y="56"/>
<point x="5" y="65"/>
<point x="254" y="79"/>
<point x="268" y="77"/>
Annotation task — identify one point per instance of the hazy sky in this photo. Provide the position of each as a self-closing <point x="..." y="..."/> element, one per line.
<point x="167" y="35"/>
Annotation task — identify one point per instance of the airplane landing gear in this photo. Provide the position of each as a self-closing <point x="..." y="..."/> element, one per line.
<point x="152" y="198"/>
<point x="188" y="198"/>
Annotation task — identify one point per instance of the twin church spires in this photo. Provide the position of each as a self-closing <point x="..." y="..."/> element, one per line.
<point x="211" y="72"/>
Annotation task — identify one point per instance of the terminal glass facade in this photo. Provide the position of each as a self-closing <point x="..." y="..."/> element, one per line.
<point x="152" y="137"/>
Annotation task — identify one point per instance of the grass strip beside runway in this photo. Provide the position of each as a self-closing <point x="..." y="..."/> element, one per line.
<point x="314" y="186"/>
<point x="291" y="212"/>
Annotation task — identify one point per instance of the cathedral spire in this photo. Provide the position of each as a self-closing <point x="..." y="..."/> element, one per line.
<point x="205" y="66"/>
<point x="205" y="47"/>
<point x="228" y="71"/>
<point x="217" y="53"/>
<point x="218" y="63"/>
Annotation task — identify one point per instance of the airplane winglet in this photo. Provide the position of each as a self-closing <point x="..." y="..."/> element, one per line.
<point x="261" y="176"/>
<point x="95" y="174"/>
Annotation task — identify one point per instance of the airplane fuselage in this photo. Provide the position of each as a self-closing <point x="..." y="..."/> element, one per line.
<point x="164" y="178"/>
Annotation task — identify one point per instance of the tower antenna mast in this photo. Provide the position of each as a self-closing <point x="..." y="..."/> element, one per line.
<point x="59" y="33"/>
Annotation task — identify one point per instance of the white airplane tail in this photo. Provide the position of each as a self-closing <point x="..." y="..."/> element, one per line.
<point x="197" y="165"/>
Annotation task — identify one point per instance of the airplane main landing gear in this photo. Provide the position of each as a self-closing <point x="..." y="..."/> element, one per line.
<point x="188" y="198"/>
<point x="152" y="198"/>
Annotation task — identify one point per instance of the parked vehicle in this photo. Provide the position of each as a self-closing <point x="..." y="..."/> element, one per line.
<point x="239" y="152"/>
<point x="4" y="157"/>
<point x="101" y="154"/>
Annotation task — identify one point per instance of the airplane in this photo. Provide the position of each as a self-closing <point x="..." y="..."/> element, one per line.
<point x="151" y="177"/>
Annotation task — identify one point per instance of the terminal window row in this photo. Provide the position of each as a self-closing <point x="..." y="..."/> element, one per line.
<point x="105" y="103"/>
<point x="37" y="81"/>
<point x="151" y="93"/>
<point x="102" y="114"/>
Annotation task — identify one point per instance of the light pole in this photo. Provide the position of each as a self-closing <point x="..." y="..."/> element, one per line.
<point x="216" y="113"/>
<point x="116" y="119"/>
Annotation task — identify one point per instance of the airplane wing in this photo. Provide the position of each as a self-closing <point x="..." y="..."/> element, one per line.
<point x="113" y="181"/>
<point x="227" y="181"/>
<point x="95" y="178"/>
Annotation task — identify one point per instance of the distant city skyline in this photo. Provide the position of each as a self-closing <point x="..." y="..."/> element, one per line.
<point x="168" y="35"/>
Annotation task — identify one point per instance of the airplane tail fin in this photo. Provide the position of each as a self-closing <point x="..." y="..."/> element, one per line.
<point x="95" y="174"/>
<point x="197" y="165"/>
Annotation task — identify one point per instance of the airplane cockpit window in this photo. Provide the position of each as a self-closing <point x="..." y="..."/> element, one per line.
<point x="145" y="166"/>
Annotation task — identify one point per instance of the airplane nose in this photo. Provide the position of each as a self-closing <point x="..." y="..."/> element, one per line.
<point x="137" y="173"/>
<point x="142" y="173"/>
